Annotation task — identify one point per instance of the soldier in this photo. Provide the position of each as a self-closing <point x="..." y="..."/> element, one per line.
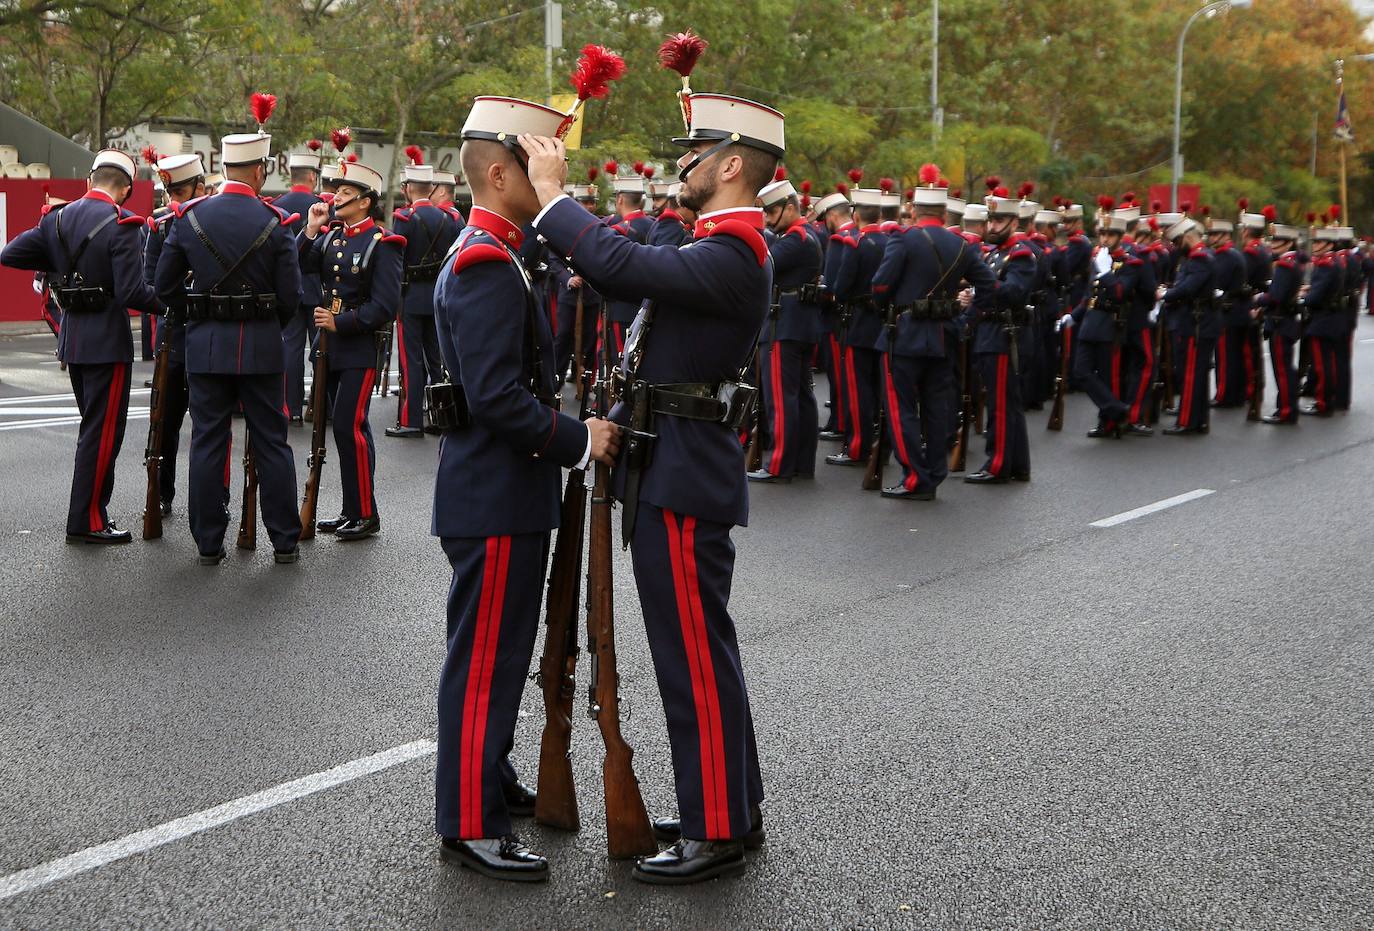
<point x="954" y="211"/>
<point x="1353" y="285"/>
<point x="681" y="502"/>
<point x="1326" y="328"/>
<point x="429" y="231"/>
<point x="497" y="491"/>
<point x="212" y="183"/>
<point x="1192" y="323"/>
<point x="921" y="275"/>
<point x="305" y="174"/>
<point x="670" y="228"/>
<point x="862" y="329"/>
<point x="1229" y="271"/>
<point x="1278" y="305"/>
<point x="184" y="178"/>
<point x="788" y="340"/>
<point x="329" y="181"/>
<point x="1120" y="274"/>
<point x="245" y="287"/>
<point x="360" y="266"/>
<point x="88" y="252"/>
<point x="631" y="221"/>
<point x="1259" y="265"/>
<point x="444" y="185"/>
<point x="835" y="214"/>
<point x="571" y="288"/>
<point x="995" y="346"/>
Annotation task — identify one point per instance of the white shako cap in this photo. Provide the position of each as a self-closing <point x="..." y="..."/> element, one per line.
<point x="245" y="148"/>
<point x="361" y="176"/>
<point x="674" y="188"/>
<point x="1184" y="225"/>
<point x="113" y="158"/>
<point x="1218" y="225"/>
<point x="975" y="213"/>
<point x="580" y="191"/>
<point x="423" y="174"/>
<point x="502" y="119"/>
<point x="1327" y="234"/>
<point x="1003" y="207"/>
<point x="177" y="169"/>
<point x="634" y="185"/>
<point x="931" y="197"/>
<point x="1131" y="213"/>
<point x="1118" y="220"/>
<point x="1048" y="217"/>
<point x="444" y="177"/>
<point x="830" y="202"/>
<point x="1343" y="233"/>
<point x="1284" y="231"/>
<point x="717" y="117"/>
<point x="867" y="197"/>
<point x="775" y="192"/>
<point x="662" y="189"/>
<point x="1252" y="221"/>
<point x="309" y="160"/>
<point x="1166" y="220"/>
<point x="1073" y="212"/>
<point x="954" y="205"/>
<point x="330" y="172"/>
<point x="1027" y="209"/>
<point x="889" y="198"/>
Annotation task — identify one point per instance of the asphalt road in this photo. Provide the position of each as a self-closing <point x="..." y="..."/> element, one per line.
<point x="977" y="712"/>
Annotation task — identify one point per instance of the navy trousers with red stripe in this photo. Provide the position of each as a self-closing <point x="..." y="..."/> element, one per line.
<point x="493" y="615"/>
<point x="1233" y="365"/>
<point x="1325" y="372"/>
<point x="860" y="399"/>
<point x="350" y="400"/>
<point x="789" y="403"/>
<point x="1192" y="371"/>
<point x="1281" y="357"/>
<point x="921" y="416"/>
<point x="833" y="353"/>
<point x="1140" y="363"/>
<point x="102" y="397"/>
<point x="176" y="401"/>
<point x="683" y="568"/>
<point x="214" y="398"/>
<point x="1098" y="369"/>
<point x="1008" y="447"/>
<point x="420" y="365"/>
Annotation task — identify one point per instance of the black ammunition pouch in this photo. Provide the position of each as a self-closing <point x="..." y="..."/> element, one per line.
<point x="931" y="308"/>
<point x="231" y="308"/>
<point x="728" y="402"/>
<point x="74" y="296"/>
<point x="811" y="293"/>
<point x="1018" y="316"/>
<point x="778" y="294"/>
<point x="424" y="272"/>
<point x="447" y="406"/>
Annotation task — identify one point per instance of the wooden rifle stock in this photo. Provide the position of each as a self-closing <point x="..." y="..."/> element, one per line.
<point x="384" y="350"/>
<point x="959" y="454"/>
<point x="248" y="515"/>
<point x="1061" y="383"/>
<point x="1166" y="366"/>
<point x="152" y="452"/>
<point x="1255" y="343"/>
<point x="753" y="457"/>
<point x="877" y="450"/>
<point x="319" y="404"/>
<point x="578" y="368"/>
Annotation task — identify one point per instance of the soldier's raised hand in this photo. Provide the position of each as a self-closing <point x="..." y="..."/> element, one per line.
<point x="319" y="215"/>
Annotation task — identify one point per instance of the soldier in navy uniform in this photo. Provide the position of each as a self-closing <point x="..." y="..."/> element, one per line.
<point x="428" y="231"/>
<point x="300" y="330"/>
<point x="1259" y="265"/>
<point x="184" y="178"/>
<point x="1354" y="280"/>
<point x="1229" y="272"/>
<point x="835" y="223"/>
<point x="1103" y="320"/>
<point x="670" y="227"/>
<point x="788" y="339"/>
<point x="359" y="264"/>
<point x="860" y="358"/>
<point x="444" y="184"/>
<point x="89" y="253"/>
<point x="570" y="288"/>
<point x="632" y="222"/>
<point x="496" y="495"/>
<point x="707" y="302"/>
<point x="1326" y="330"/>
<point x="245" y="288"/>
<point x="923" y="271"/>
<point x="995" y="355"/>
<point x="1193" y="323"/>
<point x="1278" y="306"/>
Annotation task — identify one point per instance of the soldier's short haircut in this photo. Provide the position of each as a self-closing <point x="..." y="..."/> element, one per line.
<point x="477" y="155"/>
<point x="923" y="210"/>
<point x="867" y="213"/>
<point x="303" y="175"/>
<point x="759" y="166"/>
<point x="634" y="198"/>
<point x="106" y="176"/>
<point x="891" y="213"/>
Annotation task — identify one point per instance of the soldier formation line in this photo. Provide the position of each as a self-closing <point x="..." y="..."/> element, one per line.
<point x="697" y="301"/>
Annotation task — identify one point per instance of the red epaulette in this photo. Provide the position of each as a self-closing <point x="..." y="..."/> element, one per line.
<point x="1134" y="260"/>
<point x="741" y="230"/>
<point x="394" y="237"/>
<point x="131" y="219"/>
<point x="669" y="215"/>
<point x="973" y="239"/>
<point x="286" y="218"/>
<point x="1198" y="252"/>
<point x="1020" y="252"/>
<point x="1252" y="247"/>
<point x="798" y="230"/>
<point x="400" y="214"/>
<point x="327" y="196"/>
<point x="476" y="250"/>
<point x="1323" y="260"/>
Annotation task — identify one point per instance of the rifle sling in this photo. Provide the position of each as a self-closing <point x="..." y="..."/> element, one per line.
<point x="229" y="269"/>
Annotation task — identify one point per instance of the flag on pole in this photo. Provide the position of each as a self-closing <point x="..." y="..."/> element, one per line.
<point x="1344" y="131"/>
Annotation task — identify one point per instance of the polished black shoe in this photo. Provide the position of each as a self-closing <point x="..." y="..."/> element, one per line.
<point x="1312" y="410"/>
<point x="1020" y="476"/>
<point x="830" y="435"/>
<point x="842" y="459"/>
<point x="166" y="508"/>
<point x="519" y="799"/>
<point x="1104" y="433"/>
<point x="297" y="421"/>
<point x="691" y="861"/>
<point x="1276" y="419"/>
<point x="409" y="433"/>
<point x="1172" y="411"/>
<point x="982" y="477"/>
<point x="669" y="830"/>
<point x="498" y="857"/>
<point x="213" y="559"/>
<point x="329" y="526"/>
<point x="901" y="491"/>
<point x="147" y="382"/>
<point x="432" y="430"/>
<point x="763" y="475"/>
<point x="1181" y="431"/>
<point x="286" y="557"/>
<point x="358" y="529"/>
<point x="1139" y="429"/>
<point x="108" y="535"/>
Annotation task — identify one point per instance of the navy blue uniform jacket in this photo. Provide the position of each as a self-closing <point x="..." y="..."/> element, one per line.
<point x="1193" y="281"/>
<point x="711" y="297"/>
<point x="797" y="256"/>
<point x="112" y="261"/>
<point x="1323" y="297"/>
<point x="635" y="227"/>
<point x="911" y="271"/>
<point x="1013" y="266"/>
<point x="859" y="261"/>
<point x="371" y="292"/>
<point x="668" y="230"/>
<point x="429" y="232"/>
<point x="501" y="474"/>
<point x="298" y="201"/>
<point x="172" y="333"/>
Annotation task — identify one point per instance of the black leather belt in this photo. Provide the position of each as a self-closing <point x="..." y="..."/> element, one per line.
<point x="231" y="308"/>
<point x="694" y="401"/>
<point x="930" y="309"/>
<point x="426" y="272"/>
<point x="81" y="300"/>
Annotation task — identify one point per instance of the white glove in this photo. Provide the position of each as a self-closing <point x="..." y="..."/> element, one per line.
<point x="1065" y="322"/>
<point x="1103" y="261"/>
<point x="1154" y="315"/>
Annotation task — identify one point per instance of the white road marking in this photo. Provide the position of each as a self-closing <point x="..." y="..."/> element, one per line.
<point x="38" y="411"/>
<point x="142" y="841"/>
<point x="65" y="396"/>
<point x="140" y="413"/>
<point x="1167" y="503"/>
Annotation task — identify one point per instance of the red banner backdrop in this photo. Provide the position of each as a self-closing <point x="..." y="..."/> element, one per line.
<point x="1187" y="194"/>
<point x="21" y="203"/>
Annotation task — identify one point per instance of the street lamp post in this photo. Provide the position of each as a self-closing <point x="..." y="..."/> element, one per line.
<point x="1211" y="8"/>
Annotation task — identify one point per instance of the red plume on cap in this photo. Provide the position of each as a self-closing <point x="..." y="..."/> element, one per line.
<point x="1335" y="211"/>
<point x="943" y="182"/>
<point x="314" y="145"/>
<point x="611" y="167"/>
<point x="637" y="168"/>
<point x="856" y="175"/>
<point x="1105" y="202"/>
<point x="1243" y="203"/>
<point x="263" y="105"/>
<point x="805" y="187"/>
<point x="352" y="157"/>
<point x="649" y="171"/>
<point x="886" y="185"/>
<point x="909" y="194"/>
<point x="150" y="156"/>
<point x="842" y="188"/>
<point x="780" y="174"/>
<point x="595" y="71"/>
<point x="1205" y="210"/>
<point x="1311" y="217"/>
<point x="1128" y="198"/>
<point x="1156" y="206"/>
<point x="1186" y="206"/>
<point x="680" y="52"/>
<point x="957" y="193"/>
<point x="1026" y="189"/>
<point x="805" y="203"/>
<point x="341" y="138"/>
<point x="1000" y="191"/>
<point x="991" y="182"/>
<point x="415" y="154"/>
<point x="929" y="173"/>
<point x="1270" y="213"/>
<point x="592" y="172"/>
<point x="1056" y="200"/>
<point x="1154" y="224"/>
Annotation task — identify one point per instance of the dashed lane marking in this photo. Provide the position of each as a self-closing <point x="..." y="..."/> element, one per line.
<point x="1167" y="503"/>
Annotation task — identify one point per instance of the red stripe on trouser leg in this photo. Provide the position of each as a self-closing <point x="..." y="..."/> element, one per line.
<point x="779" y="430"/>
<point x="1319" y="365"/>
<point x="1185" y="404"/>
<point x="486" y="634"/>
<point x="619" y="329"/>
<point x="285" y="410"/>
<point x="404" y="417"/>
<point x="107" y="435"/>
<point x="1221" y="394"/>
<point x="1280" y="359"/>
<point x="856" y="436"/>
<point x="837" y="389"/>
<point x="1116" y="373"/>
<point x="360" y="444"/>
<point x="999" y="448"/>
<point x="894" y="419"/>
<point x="1143" y="386"/>
<point x="1247" y="353"/>
<point x="553" y="311"/>
<point x="696" y="646"/>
